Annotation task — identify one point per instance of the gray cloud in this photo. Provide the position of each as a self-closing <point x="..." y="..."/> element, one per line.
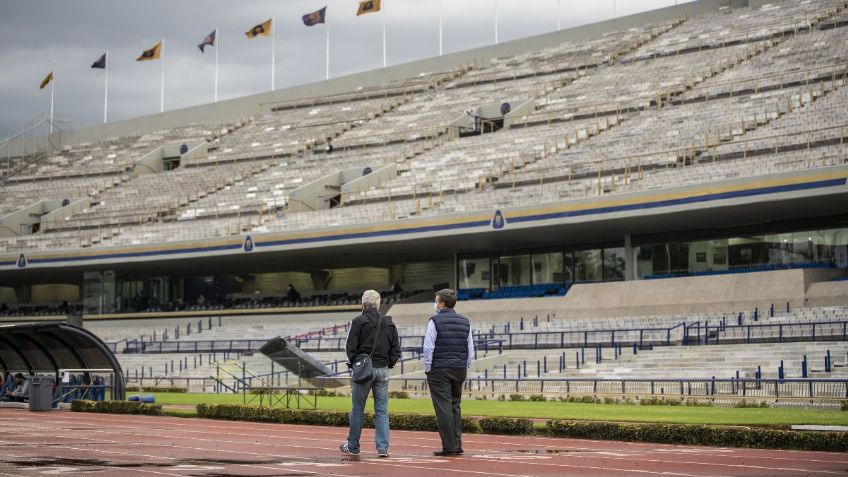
<point x="72" y="34"/>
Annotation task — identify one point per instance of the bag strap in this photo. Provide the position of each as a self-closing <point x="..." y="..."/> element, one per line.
<point x="376" y="335"/>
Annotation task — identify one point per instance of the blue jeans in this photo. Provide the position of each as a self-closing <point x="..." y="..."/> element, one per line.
<point x="359" y="394"/>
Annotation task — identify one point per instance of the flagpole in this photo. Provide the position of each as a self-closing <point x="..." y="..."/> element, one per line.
<point x="496" y="22"/>
<point x="327" y="65"/>
<point x="106" y="89"/>
<point x="216" y="46"/>
<point x="441" y="3"/>
<point x="559" y="15"/>
<point x="52" y="89"/>
<point x="383" y="14"/>
<point x="162" y="95"/>
<point x="273" y="46"/>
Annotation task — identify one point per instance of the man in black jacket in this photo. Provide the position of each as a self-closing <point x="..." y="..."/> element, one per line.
<point x="385" y="352"/>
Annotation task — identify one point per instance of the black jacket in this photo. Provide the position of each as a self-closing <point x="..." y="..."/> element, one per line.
<point x="361" y="338"/>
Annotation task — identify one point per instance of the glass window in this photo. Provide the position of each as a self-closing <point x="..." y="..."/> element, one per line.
<point x="587" y="265"/>
<point x="547" y="268"/>
<point x="644" y="261"/>
<point x="614" y="264"/>
<point x="474" y="273"/>
<point x="706" y="255"/>
<point x="568" y="267"/>
<point x="514" y="270"/>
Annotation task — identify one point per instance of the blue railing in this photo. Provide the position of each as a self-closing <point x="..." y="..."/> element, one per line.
<point x="696" y="333"/>
<point x="765" y="332"/>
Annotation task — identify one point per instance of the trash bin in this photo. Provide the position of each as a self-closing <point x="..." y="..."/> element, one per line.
<point x="40" y="393"/>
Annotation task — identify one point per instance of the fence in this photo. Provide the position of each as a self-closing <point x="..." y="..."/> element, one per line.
<point x="670" y="387"/>
<point x="732" y="388"/>
<point x="767" y="332"/>
<point x="696" y="333"/>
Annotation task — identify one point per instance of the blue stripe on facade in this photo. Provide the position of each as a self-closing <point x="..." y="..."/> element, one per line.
<point x="387" y="233"/>
<point x="687" y="200"/>
<point x="433" y="228"/>
<point x="137" y="254"/>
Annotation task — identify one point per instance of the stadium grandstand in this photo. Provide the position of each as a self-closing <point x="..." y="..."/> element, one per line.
<point x="651" y="205"/>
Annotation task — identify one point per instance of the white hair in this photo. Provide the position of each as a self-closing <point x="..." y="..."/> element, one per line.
<point x="371" y="299"/>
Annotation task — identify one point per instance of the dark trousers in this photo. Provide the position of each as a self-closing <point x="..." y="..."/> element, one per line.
<point x="446" y="391"/>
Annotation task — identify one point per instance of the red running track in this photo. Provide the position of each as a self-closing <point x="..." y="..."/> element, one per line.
<point x="66" y="443"/>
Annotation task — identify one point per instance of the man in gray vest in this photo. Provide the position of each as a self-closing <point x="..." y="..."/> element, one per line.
<point x="448" y="350"/>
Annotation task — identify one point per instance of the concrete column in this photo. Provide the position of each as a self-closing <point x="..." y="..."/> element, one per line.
<point x="23" y="293"/>
<point x="455" y="273"/>
<point x="629" y="259"/>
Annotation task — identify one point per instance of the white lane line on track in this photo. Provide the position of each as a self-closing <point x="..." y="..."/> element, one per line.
<point x="603" y="469"/>
<point x="611" y="457"/>
<point x="741" y="453"/>
<point x="195" y="431"/>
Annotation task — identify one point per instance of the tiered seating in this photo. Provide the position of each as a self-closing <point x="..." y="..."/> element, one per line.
<point x="742" y="24"/>
<point x="634" y="110"/>
<point x="667" y="362"/>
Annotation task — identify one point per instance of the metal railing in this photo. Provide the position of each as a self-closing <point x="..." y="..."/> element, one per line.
<point x="719" y="333"/>
<point x="706" y="388"/>
<point x="737" y="388"/>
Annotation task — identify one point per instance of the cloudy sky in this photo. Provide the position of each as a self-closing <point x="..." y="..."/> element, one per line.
<point x="71" y="34"/>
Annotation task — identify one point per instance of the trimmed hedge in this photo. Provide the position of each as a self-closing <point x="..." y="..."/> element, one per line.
<point x="116" y="407"/>
<point x="685" y="434"/>
<point x="402" y="422"/>
<point x="679" y="434"/>
<point x="506" y="425"/>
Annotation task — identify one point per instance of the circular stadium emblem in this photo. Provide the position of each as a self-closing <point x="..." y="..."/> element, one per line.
<point x="498" y="221"/>
<point x="247" y="246"/>
<point x="22" y="261"/>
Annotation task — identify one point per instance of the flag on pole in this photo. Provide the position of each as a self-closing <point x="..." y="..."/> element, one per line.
<point x="100" y="63"/>
<point x="151" y="54"/>
<point x="47" y="79"/>
<point x="263" y="29"/>
<point x="315" y="17"/>
<point x="368" y="6"/>
<point x="209" y="40"/>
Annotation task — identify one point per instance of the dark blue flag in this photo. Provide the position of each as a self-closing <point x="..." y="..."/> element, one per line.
<point x="315" y="17"/>
<point x="208" y="41"/>
<point x="100" y="63"/>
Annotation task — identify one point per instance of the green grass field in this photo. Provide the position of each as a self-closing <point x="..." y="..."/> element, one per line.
<point x="563" y="410"/>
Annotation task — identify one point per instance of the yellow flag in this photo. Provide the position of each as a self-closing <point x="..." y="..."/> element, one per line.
<point x="263" y="29"/>
<point x="151" y="54"/>
<point x="47" y="79"/>
<point x="368" y="6"/>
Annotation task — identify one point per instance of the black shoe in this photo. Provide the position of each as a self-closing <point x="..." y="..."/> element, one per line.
<point x="460" y="451"/>
<point x="445" y="453"/>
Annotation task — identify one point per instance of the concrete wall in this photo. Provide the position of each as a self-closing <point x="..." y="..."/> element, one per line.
<point x="713" y="294"/>
<point x="55" y="293"/>
<point x="360" y="278"/>
<point x="234" y="109"/>
<point x="421" y="276"/>
<point x="709" y="294"/>
<point x="276" y="284"/>
<point x="827" y="294"/>
<point x="8" y="296"/>
<point x="375" y="178"/>
<point x="42" y="211"/>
